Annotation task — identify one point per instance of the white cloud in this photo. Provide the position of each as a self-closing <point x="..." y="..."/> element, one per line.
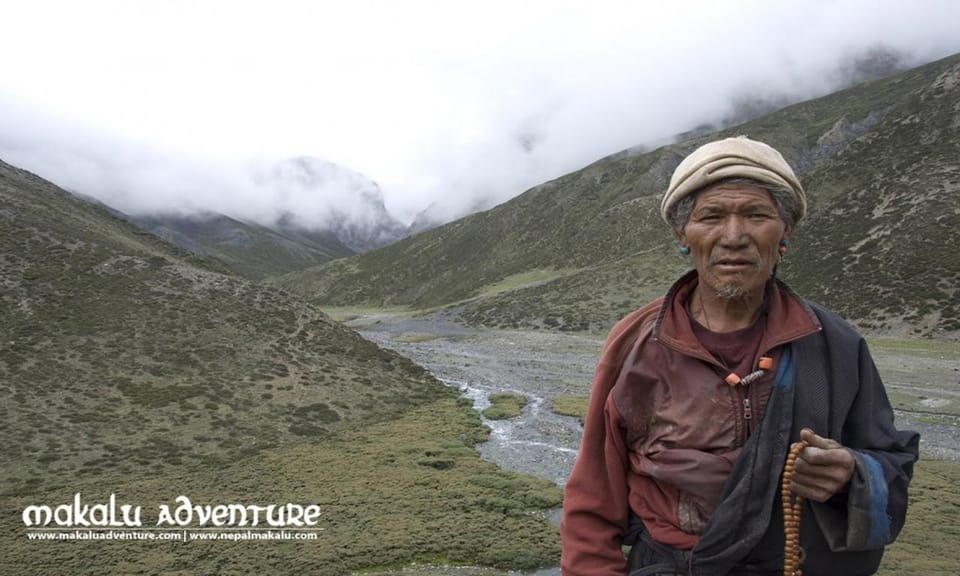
<point x="150" y="104"/>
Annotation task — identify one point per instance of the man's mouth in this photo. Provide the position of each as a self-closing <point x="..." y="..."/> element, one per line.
<point x="734" y="264"/>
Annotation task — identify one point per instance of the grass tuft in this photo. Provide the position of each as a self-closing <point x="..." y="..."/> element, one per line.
<point x="575" y="406"/>
<point x="505" y="405"/>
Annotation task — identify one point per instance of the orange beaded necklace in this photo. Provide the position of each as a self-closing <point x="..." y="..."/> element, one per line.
<point x="791" y="515"/>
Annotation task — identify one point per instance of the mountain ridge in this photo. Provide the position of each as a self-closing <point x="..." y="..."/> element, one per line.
<point x="250" y="249"/>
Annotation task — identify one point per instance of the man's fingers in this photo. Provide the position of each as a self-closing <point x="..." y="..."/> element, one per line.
<point x="818" y="482"/>
<point x="816" y="441"/>
<point x="823" y="468"/>
<point x="833" y="462"/>
<point x="824" y="457"/>
<point x="815" y="493"/>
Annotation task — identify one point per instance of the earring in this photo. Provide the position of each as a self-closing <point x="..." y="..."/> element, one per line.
<point x="783" y="248"/>
<point x="685" y="250"/>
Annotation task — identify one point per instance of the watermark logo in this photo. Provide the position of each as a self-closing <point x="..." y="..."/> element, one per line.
<point x="182" y="520"/>
<point x="239" y="515"/>
<point x="78" y="514"/>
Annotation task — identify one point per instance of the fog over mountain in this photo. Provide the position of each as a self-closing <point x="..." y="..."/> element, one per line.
<point x="447" y="107"/>
<point x="301" y="193"/>
<point x="313" y="194"/>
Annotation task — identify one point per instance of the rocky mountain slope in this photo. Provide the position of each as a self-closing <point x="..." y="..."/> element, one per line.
<point x="252" y="250"/>
<point x="880" y="164"/>
<point x="121" y="353"/>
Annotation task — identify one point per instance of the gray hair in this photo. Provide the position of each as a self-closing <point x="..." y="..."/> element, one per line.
<point x="784" y="199"/>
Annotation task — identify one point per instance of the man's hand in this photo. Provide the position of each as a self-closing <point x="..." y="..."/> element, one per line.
<point x="823" y="468"/>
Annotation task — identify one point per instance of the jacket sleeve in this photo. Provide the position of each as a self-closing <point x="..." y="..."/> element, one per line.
<point x="873" y="511"/>
<point x="595" y="498"/>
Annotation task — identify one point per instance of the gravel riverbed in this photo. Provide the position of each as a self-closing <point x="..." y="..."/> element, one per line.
<point x="480" y="362"/>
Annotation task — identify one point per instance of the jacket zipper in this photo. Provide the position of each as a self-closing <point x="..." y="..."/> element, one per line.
<point x="742" y="394"/>
<point x="740" y="432"/>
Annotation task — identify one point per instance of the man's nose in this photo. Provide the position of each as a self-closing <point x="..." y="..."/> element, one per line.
<point x="733" y="230"/>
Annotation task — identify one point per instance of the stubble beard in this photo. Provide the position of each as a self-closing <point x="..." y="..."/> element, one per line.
<point x="730" y="292"/>
<point x="735" y="288"/>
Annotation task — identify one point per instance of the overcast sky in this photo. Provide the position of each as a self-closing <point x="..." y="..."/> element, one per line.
<point x="158" y="105"/>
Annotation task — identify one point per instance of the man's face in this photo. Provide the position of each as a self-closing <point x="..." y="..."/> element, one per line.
<point x="734" y="231"/>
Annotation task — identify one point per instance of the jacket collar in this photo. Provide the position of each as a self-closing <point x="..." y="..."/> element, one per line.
<point x="787" y="318"/>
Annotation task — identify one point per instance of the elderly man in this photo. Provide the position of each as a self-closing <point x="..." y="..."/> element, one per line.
<point x="698" y="395"/>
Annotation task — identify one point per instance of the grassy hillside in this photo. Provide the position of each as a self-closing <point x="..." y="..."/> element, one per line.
<point x="401" y="490"/>
<point x="110" y="337"/>
<point x="129" y="366"/>
<point x="249" y="249"/>
<point x="879" y="162"/>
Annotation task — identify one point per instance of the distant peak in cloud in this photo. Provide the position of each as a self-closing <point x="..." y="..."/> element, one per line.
<point x="315" y="195"/>
<point x="872" y="63"/>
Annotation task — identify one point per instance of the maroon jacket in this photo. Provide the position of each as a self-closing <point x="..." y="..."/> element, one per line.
<point x="663" y="429"/>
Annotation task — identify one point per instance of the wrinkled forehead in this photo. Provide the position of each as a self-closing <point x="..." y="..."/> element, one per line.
<point x="733" y="193"/>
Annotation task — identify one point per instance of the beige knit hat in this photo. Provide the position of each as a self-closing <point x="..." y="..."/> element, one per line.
<point x="738" y="157"/>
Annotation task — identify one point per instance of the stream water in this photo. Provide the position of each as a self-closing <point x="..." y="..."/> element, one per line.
<point x="537" y="365"/>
